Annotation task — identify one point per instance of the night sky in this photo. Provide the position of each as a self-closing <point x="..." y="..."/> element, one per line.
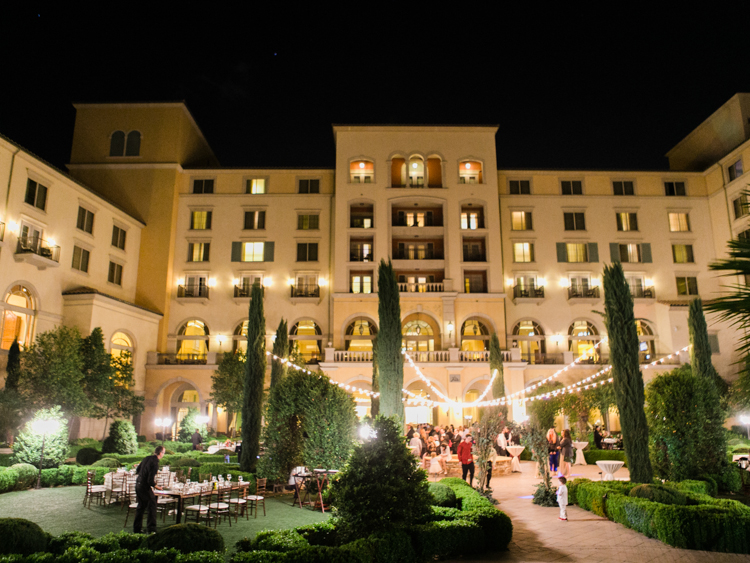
<point x="593" y="90"/>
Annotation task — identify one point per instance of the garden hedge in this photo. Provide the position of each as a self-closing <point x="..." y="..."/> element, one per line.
<point x="702" y="522"/>
<point x="592" y="456"/>
<point x="186" y="538"/>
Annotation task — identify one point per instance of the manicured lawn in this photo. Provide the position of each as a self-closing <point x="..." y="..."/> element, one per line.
<point x="61" y="510"/>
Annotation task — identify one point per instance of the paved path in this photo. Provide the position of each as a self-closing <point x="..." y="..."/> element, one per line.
<point x="539" y="536"/>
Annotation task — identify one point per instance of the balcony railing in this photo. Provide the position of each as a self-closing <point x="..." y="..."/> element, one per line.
<point x="36" y="245"/>
<point x="417" y="254"/>
<point x="426" y="287"/>
<point x="537" y="358"/>
<point x="528" y="292"/>
<point x="435" y="356"/>
<point x="247" y="291"/>
<point x="351" y="356"/>
<point x="583" y="293"/>
<point x="475" y="256"/>
<point x="361" y="222"/>
<point x="360" y="256"/>
<point x="474" y="355"/>
<point x="192" y="291"/>
<point x="182" y="359"/>
<point x="643" y="292"/>
<point x="427" y="223"/>
<point x="305" y="290"/>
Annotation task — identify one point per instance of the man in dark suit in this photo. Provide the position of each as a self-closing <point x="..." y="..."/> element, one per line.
<point x="197" y="440"/>
<point x="147" y="470"/>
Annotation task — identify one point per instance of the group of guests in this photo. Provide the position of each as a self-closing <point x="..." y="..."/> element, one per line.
<point x="560" y="452"/>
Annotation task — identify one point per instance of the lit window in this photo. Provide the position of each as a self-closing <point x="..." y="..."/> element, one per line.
<point x="252" y="251"/>
<point x="630" y="253"/>
<point x="577" y="252"/>
<point x="361" y="172"/>
<point x="198" y="251"/>
<point x="679" y="222"/>
<point x="523" y="252"/>
<point x="200" y="220"/>
<point x="521" y="221"/>
<point x="687" y="285"/>
<point x="682" y="253"/>
<point x="361" y="283"/>
<point x="18" y="317"/>
<point x="627" y="221"/>
<point x="121" y="344"/>
<point x="307" y="222"/>
<point x="470" y="172"/>
<point x="256" y="186"/>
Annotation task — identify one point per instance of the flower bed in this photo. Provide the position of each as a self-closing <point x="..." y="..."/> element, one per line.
<point x="686" y="517"/>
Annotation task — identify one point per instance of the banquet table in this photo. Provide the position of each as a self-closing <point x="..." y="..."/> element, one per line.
<point x="610" y="442"/>
<point x="515" y="452"/>
<point x="609" y="468"/>
<point x="113" y="484"/>
<point x="181" y="494"/>
<point x="580" y="458"/>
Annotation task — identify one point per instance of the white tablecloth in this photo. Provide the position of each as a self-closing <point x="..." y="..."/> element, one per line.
<point x="609" y="468"/>
<point x="580" y="458"/>
<point x="515" y="452"/>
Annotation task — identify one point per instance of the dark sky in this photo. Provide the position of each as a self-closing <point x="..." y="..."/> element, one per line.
<point x="594" y="89"/>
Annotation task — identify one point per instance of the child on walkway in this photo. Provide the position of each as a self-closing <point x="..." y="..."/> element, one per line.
<point x="562" y="498"/>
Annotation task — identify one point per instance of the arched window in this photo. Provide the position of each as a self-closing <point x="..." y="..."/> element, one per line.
<point x="192" y="342"/>
<point x="306" y="334"/>
<point x="434" y="172"/>
<point x="359" y="335"/>
<point x="582" y="337"/>
<point x="239" y="338"/>
<point x="418" y="336"/>
<point x="475" y="336"/>
<point x="361" y="171"/>
<point x="529" y="337"/>
<point x="416" y="172"/>
<point x="117" y="144"/>
<point x="398" y="172"/>
<point x="646" y="341"/>
<point x="133" y="145"/>
<point x="18" y="317"/>
<point x="470" y="172"/>
<point x="120" y="344"/>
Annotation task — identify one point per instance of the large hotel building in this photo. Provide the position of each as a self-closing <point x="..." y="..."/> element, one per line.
<point x="149" y="238"/>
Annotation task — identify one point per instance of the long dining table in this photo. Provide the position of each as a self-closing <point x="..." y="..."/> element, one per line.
<point x="180" y="495"/>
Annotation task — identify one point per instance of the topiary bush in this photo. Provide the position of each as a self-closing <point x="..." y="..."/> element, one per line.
<point x="28" y="445"/>
<point x="21" y="536"/>
<point x="186" y="462"/>
<point x="656" y="493"/>
<point x="187" y="538"/>
<point x="279" y="540"/>
<point x="58" y="545"/>
<point x="443" y="495"/>
<point x="106" y="462"/>
<point x="27" y="475"/>
<point x="122" y="439"/>
<point x="88" y="456"/>
<point x="380" y="468"/>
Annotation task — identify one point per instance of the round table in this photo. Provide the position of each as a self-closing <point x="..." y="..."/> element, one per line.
<point x="515" y="452"/>
<point x="610" y="442"/>
<point x="580" y="458"/>
<point x="609" y="468"/>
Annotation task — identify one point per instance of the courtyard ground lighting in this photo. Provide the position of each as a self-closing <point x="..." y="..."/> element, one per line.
<point x="43" y="427"/>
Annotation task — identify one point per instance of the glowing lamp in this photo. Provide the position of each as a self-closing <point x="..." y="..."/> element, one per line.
<point x="267" y="282"/>
<point x="649" y="282"/>
<point x="290" y="281"/>
<point x="468" y="166"/>
<point x="361" y="164"/>
<point x="541" y="282"/>
<point x="564" y="282"/>
<point x="322" y="282"/>
<point x="211" y="282"/>
<point x="45" y="426"/>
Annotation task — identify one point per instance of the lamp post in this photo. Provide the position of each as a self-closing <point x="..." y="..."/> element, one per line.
<point x="163" y="422"/>
<point x="744" y="419"/>
<point x="43" y="427"/>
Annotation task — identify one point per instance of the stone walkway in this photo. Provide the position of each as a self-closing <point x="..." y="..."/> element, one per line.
<point x="539" y="536"/>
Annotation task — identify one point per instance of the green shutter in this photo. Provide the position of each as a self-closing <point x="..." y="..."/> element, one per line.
<point x="236" y="252"/>
<point x="562" y="252"/>
<point x="593" y="252"/>
<point x="646" y="253"/>
<point x="268" y="252"/>
<point x="614" y="252"/>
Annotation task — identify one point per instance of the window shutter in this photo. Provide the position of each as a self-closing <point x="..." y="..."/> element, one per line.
<point x="312" y="252"/>
<point x="236" y="252"/>
<point x="268" y="251"/>
<point x="646" y="253"/>
<point x="562" y="252"/>
<point x="593" y="252"/>
<point x="261" y="219"/>
<point x="614" y="252"/>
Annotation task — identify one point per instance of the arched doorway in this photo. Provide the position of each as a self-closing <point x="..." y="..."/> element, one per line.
<point x="475" y="336"/>
<point x="529" y="337"/>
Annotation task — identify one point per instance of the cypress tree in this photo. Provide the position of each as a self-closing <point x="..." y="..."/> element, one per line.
<point x="390" y="361"/>
<point x="13" y="368"/>
<point x="496" y="363"/>
<point x="375" y="401"/>
<point x="280" y="349"/>
<point x="628" y="381"/>
<point x="255" y="375"/>
<point x="700" y="351"/>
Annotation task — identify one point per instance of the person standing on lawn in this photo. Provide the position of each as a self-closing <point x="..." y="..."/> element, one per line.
<point x="466" y="459"/>
<point x="147" y="470"/>
<point x="197" y="440"/>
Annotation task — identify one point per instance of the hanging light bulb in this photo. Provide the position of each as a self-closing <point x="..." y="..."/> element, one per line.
<point x="419" y="328"/>
<point x="361" y="328"/>
<point x="475" y="328"/>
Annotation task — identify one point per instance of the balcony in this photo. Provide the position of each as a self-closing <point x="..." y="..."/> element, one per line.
<point x="182" y="359"/>
<point x="192" y="293"/>
<point x="37" y="252"/>
<point x="538" y="358"/>
<point x="417" y="254"/>
<point x="361" y="222"/>
<point x="302" y="293"/>
<point x="583" y="294"/>
<point x="528" y="293"/>
<point x="642" y="292"/>
<point x="478" y="256"/>
<point x="246" y="291"/>
<point x="425" y="287"/>
<point x="452" y="355"/>
<point x="360" y="256"/>
<point x="428" y="222"/>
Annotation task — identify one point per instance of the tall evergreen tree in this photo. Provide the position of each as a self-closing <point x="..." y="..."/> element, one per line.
<point x="228" y="385"/>
<point x="13" y="369"/>
<point x="280" y="349"/>
<point x="255" y="375"/>
<point x="390" y="360"/>
<point x="700" y="350"/>
<point x="375" y="401"/>
<point x="628" y="381"/>
<point x="496" y="363"/>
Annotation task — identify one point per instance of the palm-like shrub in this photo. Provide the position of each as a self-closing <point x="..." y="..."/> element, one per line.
<point x="381" y="486"/>
<point x="28" y="445"/>
<point x="122" y="439"/>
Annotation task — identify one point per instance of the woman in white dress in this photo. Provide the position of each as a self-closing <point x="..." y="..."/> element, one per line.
<point x="445" y="456"/>
<point x="436" y="467"/>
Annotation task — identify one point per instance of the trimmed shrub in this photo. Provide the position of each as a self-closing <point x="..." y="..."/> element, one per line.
<point x="544" y="496"/>
<point x="258" y="557"/>
<point x="656" y="493"/>
<point x="21" y="536"/>
<point x="573" y="488"/>
<point x="28" y="445"/>
<point x="122" y="438"/>
<point x="58" y="545"/>
<point x="186" y="538"/>
<point x="279" y="540"/>
<point x="692" y="486"/>
<point x="186" y="462"/>
<point x="384" y="547"/>
<point x="446" y="538"/>
<point x="592" y="456"/>
<point x="88" y="456"/>
<point x="141" y="439"/>
<point x="106" y="462"/>
<point x="27" y="475"/>
<point x="8" y="479"/>
<point x="320" y="533"/>
<point x="454" y="482"/>
<point x="443" y="495"/>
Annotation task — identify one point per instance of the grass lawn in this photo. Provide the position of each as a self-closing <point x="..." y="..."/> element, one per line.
<point x="61" y="510"/>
